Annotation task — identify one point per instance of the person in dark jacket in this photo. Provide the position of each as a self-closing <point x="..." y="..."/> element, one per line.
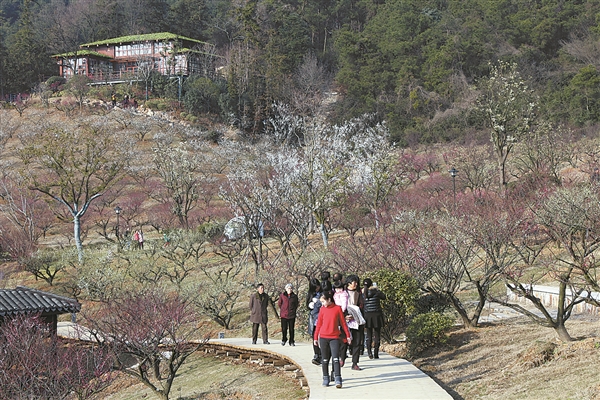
<point x="326" y="284"/>
<point x="373" y="317"/>
<point x="259" y="302"/>
<point x="313" y="304"/>
<point x="288" y="305"/>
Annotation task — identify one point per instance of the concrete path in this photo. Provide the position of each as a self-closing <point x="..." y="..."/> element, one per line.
<point x="386" y="378"/>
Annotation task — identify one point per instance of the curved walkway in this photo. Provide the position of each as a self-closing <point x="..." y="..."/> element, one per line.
<point x="386" y="378"/>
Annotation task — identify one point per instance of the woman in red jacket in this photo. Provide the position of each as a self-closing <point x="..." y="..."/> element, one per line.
<point x="329" y="328"/>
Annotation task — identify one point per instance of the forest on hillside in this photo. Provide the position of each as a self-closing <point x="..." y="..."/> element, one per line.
<point x="412" y="63"/>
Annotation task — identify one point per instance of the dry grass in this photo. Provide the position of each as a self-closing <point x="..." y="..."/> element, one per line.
<point x="206" y="377"/>
<point x="518" y="360"/>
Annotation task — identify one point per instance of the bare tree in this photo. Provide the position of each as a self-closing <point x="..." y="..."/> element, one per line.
<point x="37" y="365"/>
<point x="183" y="251"/>
<point x="73" y="166"/>
<point x="220" y="291"/>
<point x="8" y="125"/>
<point x="311" y="82"/>
<point x="475" y="167"/>
<point x="151" y="332"/>
<point x="571" y="218"/>
<point x="25" y="209"/>
<point x="178" y="169"/>
<point x="145" y="68"/>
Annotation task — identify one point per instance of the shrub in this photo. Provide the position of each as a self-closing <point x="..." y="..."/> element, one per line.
<point x="202" y="95"/>
<point x="402" y="292"/>
<point x="427" y="330"/>
<point x="55" y="83"/>
<point x="101" y="92"/>
<point x="158" y="104"/>
<point x="211" y="230"/>
<point x="43" y="265"/>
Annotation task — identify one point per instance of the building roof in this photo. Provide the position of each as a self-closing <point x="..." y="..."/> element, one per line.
<point x="23" y="300"/>
<point x="141" y="38"/>
<point x="81" y="53"/>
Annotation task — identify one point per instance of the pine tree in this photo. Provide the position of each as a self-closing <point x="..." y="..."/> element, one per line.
<point x="27" y="61"/>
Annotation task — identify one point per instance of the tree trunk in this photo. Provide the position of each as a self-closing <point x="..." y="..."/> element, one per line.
<point x="502" y="169"/>
<point x="156" y="367"/>
<point x="376" y="214"/>
<point x="323" y="230"/>
<point x="562" y="333"/>
<point x="77" y="237"/>
<point x="464" y="316"/>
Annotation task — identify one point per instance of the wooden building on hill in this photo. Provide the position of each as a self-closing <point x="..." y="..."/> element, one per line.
<point x="24" y="301"/>
<point x="122" y="58"/>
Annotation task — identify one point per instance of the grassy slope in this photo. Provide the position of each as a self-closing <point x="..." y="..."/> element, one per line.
<point x="206" y="377"/>
<point x="519" y="360"/>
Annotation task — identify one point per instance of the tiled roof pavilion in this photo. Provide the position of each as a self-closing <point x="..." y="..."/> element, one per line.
<point x="27" y="301"/>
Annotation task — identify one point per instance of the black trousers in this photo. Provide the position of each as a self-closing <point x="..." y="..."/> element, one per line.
<point x="374" y="337"/>
<point x="356" y="346"/>
<point x="287" y="324"/>
<point x="330" y="348"/>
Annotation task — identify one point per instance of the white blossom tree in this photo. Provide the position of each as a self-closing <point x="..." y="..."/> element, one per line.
<point x="508" y="107"/>
<point x="178" y="169"/>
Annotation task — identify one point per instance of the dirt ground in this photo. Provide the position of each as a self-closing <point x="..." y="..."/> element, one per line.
<point x="517" y="359"/>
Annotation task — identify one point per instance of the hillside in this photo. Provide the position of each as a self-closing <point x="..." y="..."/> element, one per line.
<point x="326" y="197"/>
<point x="414" y="64"/>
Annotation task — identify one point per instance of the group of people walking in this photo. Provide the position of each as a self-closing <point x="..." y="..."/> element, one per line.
<point x="343" y="318"/>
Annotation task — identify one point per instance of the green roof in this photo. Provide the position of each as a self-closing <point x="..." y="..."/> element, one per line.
<point x="83" y="52"/>
<point x="141" y="38"/>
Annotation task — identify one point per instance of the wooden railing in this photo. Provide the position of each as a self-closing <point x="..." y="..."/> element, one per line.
<point x="101" y="77"/>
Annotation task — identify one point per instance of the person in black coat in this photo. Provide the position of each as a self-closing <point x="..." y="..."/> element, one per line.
<point x="313" y="304"/>
<point x="373" y="317"/>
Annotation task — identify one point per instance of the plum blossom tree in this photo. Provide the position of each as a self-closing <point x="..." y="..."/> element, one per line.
<point x="36" y="365"/>
<point x="508" y="106"/>
<point x="157" y="329"/>
<point x="376" y="173"/>
<point x="322" y="173"/>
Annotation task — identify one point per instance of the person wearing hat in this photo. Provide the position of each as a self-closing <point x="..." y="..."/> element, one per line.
<point x="373" y="316"/>
<point x="288" y="305"/>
